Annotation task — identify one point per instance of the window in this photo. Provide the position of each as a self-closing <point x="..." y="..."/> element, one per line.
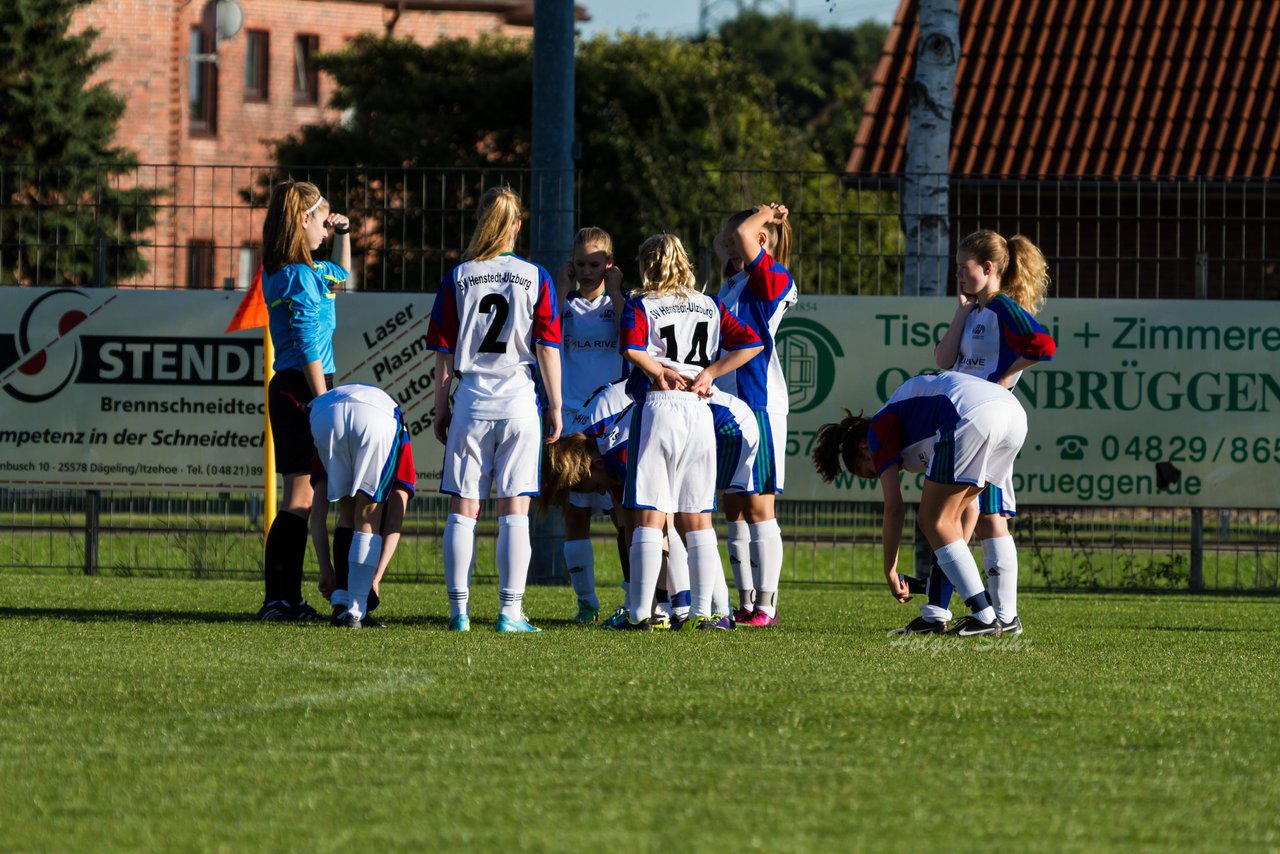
<point x="247" y="264"/>
<point x="202" y="83"/>
<point x="200" y="263"/>
<point x="257" y="65"/>
<point x="306" y="80"/>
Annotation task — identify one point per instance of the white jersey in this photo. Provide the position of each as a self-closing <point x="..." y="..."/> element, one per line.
<point x="759" y="295"/>
<point x="685" y="332"/>
<point x="491" y="315"/>
<point x="590" y="358"/>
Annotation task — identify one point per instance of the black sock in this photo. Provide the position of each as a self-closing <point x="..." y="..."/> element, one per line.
<point x="341" y="556"/>
<point x="624" y="556"/>
<point x="282" y="566"/>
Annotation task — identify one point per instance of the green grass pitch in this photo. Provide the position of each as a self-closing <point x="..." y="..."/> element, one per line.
<point x="152" y="714"/>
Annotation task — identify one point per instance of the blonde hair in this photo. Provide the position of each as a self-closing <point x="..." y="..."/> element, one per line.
<point x="565" y="464"/>
<point x="777" y="239"/>
<point x="498" y="211"/>
<point x="283" y="240"/>
<point x="1023" y="271"/>
<point x="593" y="236"/>
<point x="665" y="268"/>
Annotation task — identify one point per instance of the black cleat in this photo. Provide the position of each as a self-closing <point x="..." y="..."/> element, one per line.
<point x="921" y="626"/>
<point x="970" y="627"/>
<point x="1013" y="627"/>
<point x="278" y="611"/>
<point x="347" y="621"/>
<point x="335" y="619"/>
<point x="304" y="613"/>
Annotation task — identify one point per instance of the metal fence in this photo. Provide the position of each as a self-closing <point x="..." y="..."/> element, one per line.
<point x="1172" y="238"/>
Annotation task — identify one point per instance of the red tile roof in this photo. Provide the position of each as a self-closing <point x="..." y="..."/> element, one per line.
<point x="1126" y="88"/>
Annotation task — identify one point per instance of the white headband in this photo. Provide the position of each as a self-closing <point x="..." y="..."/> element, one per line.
<point x="312" y="209"/>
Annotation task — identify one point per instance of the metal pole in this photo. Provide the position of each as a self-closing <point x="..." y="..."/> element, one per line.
<point x="552" y="201"/>
<point x="268" y="445"/>
<point x="92" y="522"/>
<point x="1196" y="580"/>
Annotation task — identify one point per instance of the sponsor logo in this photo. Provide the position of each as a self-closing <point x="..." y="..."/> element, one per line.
<point x="808" y="353"/>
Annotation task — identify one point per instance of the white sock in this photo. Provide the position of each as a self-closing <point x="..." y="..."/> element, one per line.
<point x="962" y="571"/>
<point x="512" y="555"/>
<point x="458" y="548"/>
<point x="739" y="545"/>
<point x="580" y="557"/>
<point x="704" y="563"/>
<point x="720" y="595"/>
<point x="362" y="559"/>
<point x="677" y="572"/>
<point x="1000" y="557"/>
<point x="646" y="565"/>
<point x="766" y="561"/>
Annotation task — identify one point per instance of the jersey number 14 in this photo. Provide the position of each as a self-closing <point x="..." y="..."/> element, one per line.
<point x="697" y="354"/>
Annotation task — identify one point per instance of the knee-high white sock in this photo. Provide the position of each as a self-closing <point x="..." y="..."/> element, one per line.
<point x="704" y="563"/>
<point x="677" y="572"/>
<point x="739" y="546"/>
<point x="962" y="570"/>
<point x="366" y="550"/>
<point x="513" y="553"/>
<point x="766" y="561"/>
<point x="1000" y="557"/>
<point x="580" y="557"/>
<point x="720" y="594"/>
<point x="459" y="548"/>
<point x="646" y="564"/>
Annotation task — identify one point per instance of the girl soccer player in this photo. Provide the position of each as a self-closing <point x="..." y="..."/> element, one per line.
<point x="365" y="462"/>
<point x="494" y="319"/>
<point x="1000" y="285"/>
<point x="589" y="326"/>
<point x="680" y="340"/>
<point x="962" y="432"/>
<point x="301" y="321"/>
<point x="756" y="245"/>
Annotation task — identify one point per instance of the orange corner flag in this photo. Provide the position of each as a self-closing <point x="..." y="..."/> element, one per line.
<point x="252" y="311"/>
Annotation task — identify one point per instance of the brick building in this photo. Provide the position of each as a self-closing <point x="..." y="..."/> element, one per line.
<point x="199" y="115"/>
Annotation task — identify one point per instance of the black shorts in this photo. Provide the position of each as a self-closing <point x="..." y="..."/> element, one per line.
<point x="287" y="399"/>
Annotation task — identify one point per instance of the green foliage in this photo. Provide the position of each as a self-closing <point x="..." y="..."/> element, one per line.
<point x="149" y="715"/>
<point x="67" y="190"/>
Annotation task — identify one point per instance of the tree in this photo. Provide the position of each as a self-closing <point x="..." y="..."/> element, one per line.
<point x="65" y="217"/>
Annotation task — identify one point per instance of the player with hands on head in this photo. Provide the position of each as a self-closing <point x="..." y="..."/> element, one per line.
<point x="1000" y="286"/>
<point x="300" y="318"/>
<point x="964" y="434"/>
<point x="679" y="341"/>
<point x="755" y="247"/>
<point x="494" y="322"/>
<point x="589" y="287"/>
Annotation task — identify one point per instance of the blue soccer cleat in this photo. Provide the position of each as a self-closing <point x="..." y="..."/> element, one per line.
<point x="460" y="623"/>
<point x="506" y="624"/>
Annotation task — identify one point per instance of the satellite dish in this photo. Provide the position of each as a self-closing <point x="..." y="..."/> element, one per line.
<point x="224" y="17"/>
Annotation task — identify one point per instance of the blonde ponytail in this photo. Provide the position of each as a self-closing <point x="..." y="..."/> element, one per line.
<point x="498" y="212"/>
<point x="665" y="269"/>
<point x="1023" y="271"/>
<point x="283" y="240"/>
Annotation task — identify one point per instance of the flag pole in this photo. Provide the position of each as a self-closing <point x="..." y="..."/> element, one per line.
<point x="269" y="448"/>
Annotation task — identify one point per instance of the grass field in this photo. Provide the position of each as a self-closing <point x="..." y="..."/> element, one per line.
<point x="153" y="714"/>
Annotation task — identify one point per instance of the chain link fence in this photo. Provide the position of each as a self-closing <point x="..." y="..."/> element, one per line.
<point x="1173" y="238"/>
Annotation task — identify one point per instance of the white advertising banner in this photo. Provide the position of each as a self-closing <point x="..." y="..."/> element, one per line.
<point x="134" y="389"/>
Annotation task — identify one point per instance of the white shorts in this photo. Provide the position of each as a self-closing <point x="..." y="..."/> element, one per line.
<point x="503" y="454"/>
<point x="597" y="502"/>
<point x="357" y="446"/>
<point x="981" y="449"/>
<point x="671" y="455"/>
<point x="737" y="443"/>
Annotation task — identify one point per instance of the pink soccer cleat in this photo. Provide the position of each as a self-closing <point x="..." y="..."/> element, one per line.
<point x="758" y="620"/>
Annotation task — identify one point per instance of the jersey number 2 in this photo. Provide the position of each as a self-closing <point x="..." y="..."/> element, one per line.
<point x="497" y="305"/>
<point x="697" y="354"/>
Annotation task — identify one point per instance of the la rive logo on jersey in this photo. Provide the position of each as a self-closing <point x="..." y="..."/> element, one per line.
<point x="53" y="349"/>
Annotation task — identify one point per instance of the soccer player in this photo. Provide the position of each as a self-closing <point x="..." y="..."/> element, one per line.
<point x="300" y="317"/>
<point x="589" y="287"/>
<point x="755" y="246"/>
<point x="962" y="432"/>
<point x="493" y="322"/>
<point x="365" y="462"/>
<point x="680" y="341"/>
<point x="1000" y="285"/>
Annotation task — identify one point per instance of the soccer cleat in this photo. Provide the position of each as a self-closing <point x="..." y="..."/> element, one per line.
<point x="970" y="627"/>
<point x="743" y="614"/>
<point x="304" y="613"/>
<point x="716" y="622"/>
<point x="275" y="612"/>
<point x="921" y="626"/>
<point x="347" y="621"/>
<point x="659" y="623"/>
<point x="507" y="625"/>
<point x="460" y="623"/>
<point x="1013" y="627"/>
<point x="612" y="621"/>
<point x="336" y="617"/>
<point x="587" y="613"/>
<point x="758" y="620"/>
<point x="679" y="621"/>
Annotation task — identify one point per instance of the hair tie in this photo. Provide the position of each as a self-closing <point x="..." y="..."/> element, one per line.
<point x="313" y="208"/>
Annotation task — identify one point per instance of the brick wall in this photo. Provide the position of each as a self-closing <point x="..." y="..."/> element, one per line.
<point x="149" y="42"/>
